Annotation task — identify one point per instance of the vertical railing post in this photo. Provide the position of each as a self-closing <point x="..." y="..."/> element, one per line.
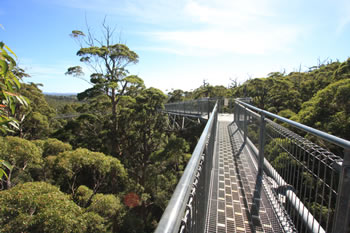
<point x="238" y="116"/>
<point x="201" y="106"/>
<point x="234" y="112"/>
<point x="208" y="108"/>
<point x="245" y="125"/>
<point x="342" y="212"/>
<point x="261" y="143"/>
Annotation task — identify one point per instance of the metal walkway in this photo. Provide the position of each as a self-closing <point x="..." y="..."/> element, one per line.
<point x="253" y="174"/>
<point x="237" y="202"/>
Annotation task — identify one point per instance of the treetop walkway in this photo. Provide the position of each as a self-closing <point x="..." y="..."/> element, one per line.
<point x="252" y="171"/>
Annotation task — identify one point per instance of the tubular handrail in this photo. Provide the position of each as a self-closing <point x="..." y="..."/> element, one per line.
<point x="330" y="173"/>
<point x="303" y="211"/>
<point x="172" y="216"/>
<point x="328" y="137"/>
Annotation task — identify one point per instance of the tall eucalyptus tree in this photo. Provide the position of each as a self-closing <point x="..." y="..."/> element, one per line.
<point x="108" y="61"/>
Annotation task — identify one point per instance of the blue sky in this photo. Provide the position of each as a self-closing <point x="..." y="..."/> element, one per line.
<point x="180" y="43"/>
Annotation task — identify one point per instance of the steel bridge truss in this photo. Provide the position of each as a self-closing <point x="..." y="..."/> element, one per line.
<point x="183" y="121"/>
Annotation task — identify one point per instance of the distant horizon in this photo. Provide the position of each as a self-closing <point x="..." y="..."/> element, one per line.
<point x="59" y="93"/>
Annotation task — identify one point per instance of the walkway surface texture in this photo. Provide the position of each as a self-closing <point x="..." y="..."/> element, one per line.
<point x="238" y="202"/>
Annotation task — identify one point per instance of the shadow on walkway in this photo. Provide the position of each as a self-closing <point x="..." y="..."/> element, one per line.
<point x="252" y="213"/>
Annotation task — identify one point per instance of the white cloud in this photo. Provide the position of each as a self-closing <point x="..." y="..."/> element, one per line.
<point x="206" y="27"/>
<point x="238" y="27"/>
<point x="228" y="13"/>
<point x="218" y="41"/>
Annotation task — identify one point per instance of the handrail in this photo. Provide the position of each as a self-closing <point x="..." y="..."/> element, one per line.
<point x="311" y="163"/>
<point x="328" y="137"/>
<point x="172" y="216"/>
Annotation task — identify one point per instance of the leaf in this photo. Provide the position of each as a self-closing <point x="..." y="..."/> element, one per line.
<point x="15" y="80"/>
<point x="26" y="100"/>
<point x="7" y="165"/>
<point x="2" y="172"/>
<point x="14" y="124"/>
<point x="12" y="107"/>
<point x="20" y="100"/>
<point x="23" y="117"/>
<point x="10" y="50"/>
<point x="10" y="59"/>
<point x="10" y="93"/>
<point x="4" y="67"/>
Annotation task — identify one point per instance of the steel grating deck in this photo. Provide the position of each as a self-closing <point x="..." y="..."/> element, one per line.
<point x="237" y="201"/>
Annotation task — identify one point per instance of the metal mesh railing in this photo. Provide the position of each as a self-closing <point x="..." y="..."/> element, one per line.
<point x="200" y="106"/>
<point x="309" y="182"/>
<point x="186" y="211"/>
<point x="192" y="107"/>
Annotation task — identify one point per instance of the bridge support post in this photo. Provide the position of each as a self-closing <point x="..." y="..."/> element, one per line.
<point x="342" y="211"/>
<point x="261" y="144"/>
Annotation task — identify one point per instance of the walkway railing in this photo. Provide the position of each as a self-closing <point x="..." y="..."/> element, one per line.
<point x="310" y="183"/>
<point x="192" y="107"/>
<point x="187" y="207"/>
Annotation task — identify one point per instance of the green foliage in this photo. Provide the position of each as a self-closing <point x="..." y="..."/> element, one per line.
<point x="52" y="146"/>
<point x="91" y="129"/>
<point x="275" y="93"/>
<point x="4" y="165"/>
<point x="63" y="104"/>
<point x="9" y="86"/>
<point x="41" y="207"/>
<point x="92" y="169"/>
<point x="343" y="71"/>
<point x="75" y="71"/>
<point x="109" y="207"/>
<point x="209" y="91"/>
<point x="322" y="211"/>
<point x="275" y="147"/>
<point x="83" y="196"/>
<point x="24" y="158"/>
<point x="176" y="96"/>
<point x="119" y="117"/>
<point x="111" y="77"/>
<point x="287" y="113"/>
<point x="329" y="109"/>
<point x="35" y="121"/>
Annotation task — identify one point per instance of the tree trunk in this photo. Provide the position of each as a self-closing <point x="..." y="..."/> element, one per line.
<point x="114" y="131"/>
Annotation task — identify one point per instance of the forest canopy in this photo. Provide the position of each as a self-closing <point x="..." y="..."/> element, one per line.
<point x="106" y="160"/>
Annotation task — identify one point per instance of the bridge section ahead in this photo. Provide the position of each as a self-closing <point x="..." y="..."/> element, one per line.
<point x="254" y="175"/>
